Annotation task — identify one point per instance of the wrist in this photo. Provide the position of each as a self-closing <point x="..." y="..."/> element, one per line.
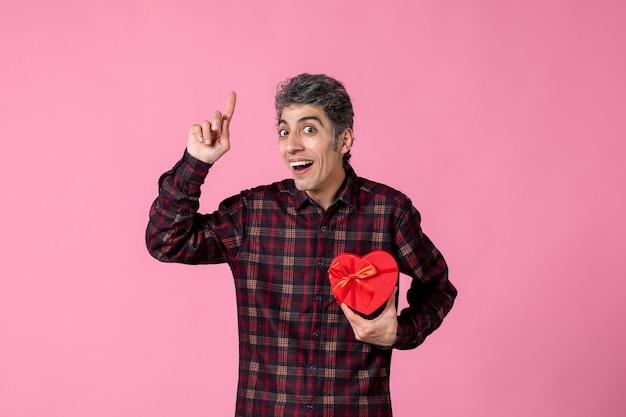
<point x="196" y="170"/>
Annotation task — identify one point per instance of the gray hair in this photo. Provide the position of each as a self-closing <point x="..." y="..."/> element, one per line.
<point x="321" y="91"/>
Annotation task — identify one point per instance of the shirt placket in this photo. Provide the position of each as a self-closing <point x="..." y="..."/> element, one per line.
<point x="316" y="363"/>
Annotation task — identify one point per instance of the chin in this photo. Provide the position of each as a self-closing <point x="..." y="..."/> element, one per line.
<point x="300" y="186"/>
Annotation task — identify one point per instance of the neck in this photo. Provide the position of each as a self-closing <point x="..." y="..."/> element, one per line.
<point x="328" y="197"/>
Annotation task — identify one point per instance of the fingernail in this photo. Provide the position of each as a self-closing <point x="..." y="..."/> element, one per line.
<point x="214" y="126"/>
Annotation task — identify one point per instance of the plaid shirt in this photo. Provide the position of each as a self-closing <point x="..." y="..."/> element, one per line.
<point x="297" y="352"/>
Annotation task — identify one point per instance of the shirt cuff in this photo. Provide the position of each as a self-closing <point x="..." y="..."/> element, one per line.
<point x="188" y="170"/>
<point x="193" y="169"/>
<point x="407" y="337"/>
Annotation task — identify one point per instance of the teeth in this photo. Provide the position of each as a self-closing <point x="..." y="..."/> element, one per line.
<point x="300" y="163"/>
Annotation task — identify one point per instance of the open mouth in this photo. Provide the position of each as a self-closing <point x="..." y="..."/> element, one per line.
<point x="300" y="165"/>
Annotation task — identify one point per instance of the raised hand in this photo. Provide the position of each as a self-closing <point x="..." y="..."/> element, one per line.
<point x="209" y="140"/>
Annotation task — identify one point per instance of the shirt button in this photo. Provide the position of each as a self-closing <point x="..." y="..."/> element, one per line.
<point x="318" y="298"/>
<point x="321" y="263"/>
<point x="309" y="406"/>
<point x="313" y="368"/>
<point x="316" y="335"/>
<point x="323" y="228"/>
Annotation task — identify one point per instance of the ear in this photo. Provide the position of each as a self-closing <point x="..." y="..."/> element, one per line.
<point x="346" y="139"/>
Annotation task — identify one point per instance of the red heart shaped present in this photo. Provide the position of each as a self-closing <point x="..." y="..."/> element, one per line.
<point x="363" y="283"/>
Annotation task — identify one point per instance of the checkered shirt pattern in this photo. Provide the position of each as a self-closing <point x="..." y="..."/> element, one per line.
<point x="297" y="352"/>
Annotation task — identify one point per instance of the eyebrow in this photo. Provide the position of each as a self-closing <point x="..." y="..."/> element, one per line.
<point x="303" y="119"/>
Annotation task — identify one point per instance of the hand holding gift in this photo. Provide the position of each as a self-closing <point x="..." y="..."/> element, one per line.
<point x="363" y="283"/>
<point x="381" y="330"/>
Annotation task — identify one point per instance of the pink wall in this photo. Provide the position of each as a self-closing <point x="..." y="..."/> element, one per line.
<point x="502" y="120"/>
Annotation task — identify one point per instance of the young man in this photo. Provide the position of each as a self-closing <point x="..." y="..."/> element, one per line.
<point x="301" y="353"/>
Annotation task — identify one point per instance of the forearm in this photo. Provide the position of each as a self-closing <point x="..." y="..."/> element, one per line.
<point x="176" y="232"/>
<point x="431" y="294"/>
<point x="428" y="305"/>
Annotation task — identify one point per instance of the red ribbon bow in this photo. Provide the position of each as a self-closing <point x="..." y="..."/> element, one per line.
<point x="348" y="280"/>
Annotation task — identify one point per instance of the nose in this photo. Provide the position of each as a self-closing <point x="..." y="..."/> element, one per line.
<point x="293" y="142"/>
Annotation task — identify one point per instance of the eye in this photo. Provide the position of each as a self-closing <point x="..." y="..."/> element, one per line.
<point x="283" y="132"/>
<point x="309" y="129"/>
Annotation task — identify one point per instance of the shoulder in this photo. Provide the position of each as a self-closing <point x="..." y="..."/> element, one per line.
<point x="276" y="190"/>
<point x="369" y="190"/>
<point x="263" y="196"/>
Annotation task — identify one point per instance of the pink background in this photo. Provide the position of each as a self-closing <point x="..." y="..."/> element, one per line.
<point x="502" y="120"/>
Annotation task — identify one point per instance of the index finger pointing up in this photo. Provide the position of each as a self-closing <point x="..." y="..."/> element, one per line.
<point x="230" y="105"/>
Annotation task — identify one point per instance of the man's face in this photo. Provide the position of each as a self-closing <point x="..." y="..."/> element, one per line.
<point x="305" y="142"/>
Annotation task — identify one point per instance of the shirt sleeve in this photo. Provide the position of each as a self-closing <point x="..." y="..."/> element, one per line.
<point x="176" y="232"/>
<point x="431" y="295"/>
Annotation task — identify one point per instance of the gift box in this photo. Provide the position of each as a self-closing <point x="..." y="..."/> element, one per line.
<point x="364" y="283"/>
